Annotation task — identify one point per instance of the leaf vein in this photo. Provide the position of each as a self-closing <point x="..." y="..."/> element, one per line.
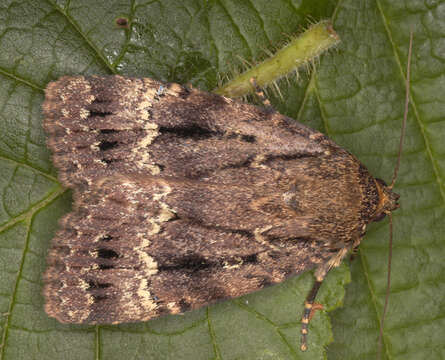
<point x="77" y="28"/>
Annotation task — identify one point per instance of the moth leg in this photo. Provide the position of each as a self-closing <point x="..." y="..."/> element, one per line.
<point x="316" y="307"/>
<point x="354" y="252"/>
<point x="260" y="93"/>
<point x="320" y="275"/>
<point x="308" y="305"/>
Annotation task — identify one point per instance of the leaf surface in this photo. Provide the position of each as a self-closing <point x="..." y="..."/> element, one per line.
<point x="355" y="95"/>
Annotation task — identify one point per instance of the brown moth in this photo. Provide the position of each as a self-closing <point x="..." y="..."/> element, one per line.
<point x="183" y="198"/>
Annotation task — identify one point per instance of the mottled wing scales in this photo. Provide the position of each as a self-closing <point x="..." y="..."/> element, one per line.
<point x="100" y="257"/>
<point x="125" y="255"/>
<point x="100" y="126"/>
<point x="182" y="198"/>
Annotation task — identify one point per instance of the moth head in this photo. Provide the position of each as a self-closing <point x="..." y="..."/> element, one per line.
<point x="388" y="200"/>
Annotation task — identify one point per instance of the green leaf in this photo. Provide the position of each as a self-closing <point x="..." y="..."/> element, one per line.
<point x="355" y="96"/>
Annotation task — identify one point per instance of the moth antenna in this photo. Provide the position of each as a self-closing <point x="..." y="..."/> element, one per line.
<point x="396" y="171"/>
<point x="388" y="287"/>
<point x="405" y="114"/>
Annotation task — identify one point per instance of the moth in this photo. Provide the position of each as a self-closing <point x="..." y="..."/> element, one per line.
<point x="183" y="198"/>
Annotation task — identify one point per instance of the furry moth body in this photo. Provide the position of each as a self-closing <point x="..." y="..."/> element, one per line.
<point x="183" y="198"/>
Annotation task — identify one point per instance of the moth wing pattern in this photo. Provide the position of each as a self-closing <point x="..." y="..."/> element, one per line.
<point x="125" y="255"/>
<point x="183" y="197"/>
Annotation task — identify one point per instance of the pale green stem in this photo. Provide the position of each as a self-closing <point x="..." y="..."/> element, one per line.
<point x="300" y="51"/>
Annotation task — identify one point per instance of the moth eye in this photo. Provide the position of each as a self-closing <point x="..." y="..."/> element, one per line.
<point x="379" y="217"/>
